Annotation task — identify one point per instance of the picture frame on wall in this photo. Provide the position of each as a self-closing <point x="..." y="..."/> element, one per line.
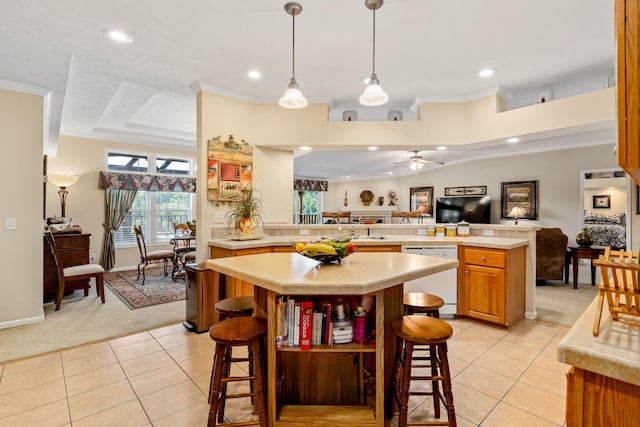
<point x="602" y="201"/>
<point x="421" y="200"/>
<point x="520" y="193"/>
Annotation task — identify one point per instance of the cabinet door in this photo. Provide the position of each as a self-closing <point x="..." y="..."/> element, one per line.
<point x="485" y="293"/>
<point x="628" y="85"/>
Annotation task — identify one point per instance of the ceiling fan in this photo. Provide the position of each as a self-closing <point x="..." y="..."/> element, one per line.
<point x="416" y="162"/>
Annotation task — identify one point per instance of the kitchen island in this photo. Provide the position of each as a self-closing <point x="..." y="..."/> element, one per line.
<point x="376" y="275"/>
<point x="603" y="384"/>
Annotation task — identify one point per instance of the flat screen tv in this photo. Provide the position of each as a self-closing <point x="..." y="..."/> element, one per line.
<point x="473" y="209"/>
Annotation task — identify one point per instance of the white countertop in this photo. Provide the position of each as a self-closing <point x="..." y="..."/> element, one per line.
<point x="358" y="274"/>
<point x="488" y="242"/>
<point x="614" y="353"/>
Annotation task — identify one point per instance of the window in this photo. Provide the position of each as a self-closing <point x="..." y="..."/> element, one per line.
<point x="155" y="211"/>
<point x="311" y="206"/>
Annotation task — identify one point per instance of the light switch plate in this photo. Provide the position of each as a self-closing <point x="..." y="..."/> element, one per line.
<point x="10" y="224"/>
<point x="422" y="231"/>
<point x="304" y="232"/>
<point x="219" y="217"/>
<point x="488" y="232"/>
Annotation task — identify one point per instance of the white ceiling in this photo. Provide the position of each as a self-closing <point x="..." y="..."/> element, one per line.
<point x="426" y="51"/>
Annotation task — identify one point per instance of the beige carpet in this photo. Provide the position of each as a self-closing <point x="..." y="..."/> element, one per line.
<point x="82" y="320"/>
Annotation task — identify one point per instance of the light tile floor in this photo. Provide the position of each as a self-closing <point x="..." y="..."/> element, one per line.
<point x="161" y="378"/>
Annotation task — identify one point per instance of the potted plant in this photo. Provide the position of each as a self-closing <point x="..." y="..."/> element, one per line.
<point x="246" y="212"/>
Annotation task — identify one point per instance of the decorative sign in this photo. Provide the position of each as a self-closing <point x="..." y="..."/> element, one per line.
<point x="479" y="190"/>
<point x="229" y="168"/>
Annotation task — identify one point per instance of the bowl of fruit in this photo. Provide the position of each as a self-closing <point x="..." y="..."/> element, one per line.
<point x="326" y="251"/>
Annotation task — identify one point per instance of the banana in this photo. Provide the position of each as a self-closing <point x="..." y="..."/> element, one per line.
<point x="316" y="249"/>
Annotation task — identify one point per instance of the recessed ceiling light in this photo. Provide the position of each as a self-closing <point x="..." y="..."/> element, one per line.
<point x="442" y="147"/>
<point x="347" y="177"/>
<point x="305" y="148"/>
<point x="373" y="148"/>
<point x="254" y="74"/>
<point x="389" y="173"/>
<point x="514" y="139"/>
<point x="119" y="36"/>
<point x="487" y="72"/>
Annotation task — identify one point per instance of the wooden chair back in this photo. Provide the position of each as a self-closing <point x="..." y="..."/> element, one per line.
<point x="74" y="277"/>
<point x="619" y="272"/>
<point x="142" y="247"/>
<point x="56" y="257"/>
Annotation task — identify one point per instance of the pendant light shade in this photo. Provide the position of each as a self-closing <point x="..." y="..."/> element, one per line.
<point x="373" y="94"/>
<point x="292" y="97"/>
<point x="415" y="165"/>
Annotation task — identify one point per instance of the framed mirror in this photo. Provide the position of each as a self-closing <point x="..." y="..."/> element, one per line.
<point x="229" y="168"/>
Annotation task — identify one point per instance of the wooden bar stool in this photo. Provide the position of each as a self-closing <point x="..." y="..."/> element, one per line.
<point x="417" y="302"/>
<point x="424" y="330"/>
<point x="234" y="332"/>
<point x="234" y="307"/>
<point x="230" y="308"/>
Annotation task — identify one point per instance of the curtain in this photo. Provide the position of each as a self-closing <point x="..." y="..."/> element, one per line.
<point x="310" y="185"/>
<point x="118" y="203"/>
<point x="135" y="181"/>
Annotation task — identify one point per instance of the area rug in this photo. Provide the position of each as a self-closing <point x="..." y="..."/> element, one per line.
<point x="157" y="289"/>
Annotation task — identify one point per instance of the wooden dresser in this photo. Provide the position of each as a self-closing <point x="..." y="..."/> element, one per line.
<point x="73" y="249"/>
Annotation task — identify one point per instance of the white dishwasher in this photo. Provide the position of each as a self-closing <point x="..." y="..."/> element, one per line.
<point x="443" y="284"/>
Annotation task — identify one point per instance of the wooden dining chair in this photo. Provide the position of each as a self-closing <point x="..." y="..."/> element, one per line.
<point x="146" y="258"/>
<point x="67" y="276"/>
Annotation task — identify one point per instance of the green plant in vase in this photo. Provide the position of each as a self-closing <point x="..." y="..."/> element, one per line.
<point x="245" y="213"/>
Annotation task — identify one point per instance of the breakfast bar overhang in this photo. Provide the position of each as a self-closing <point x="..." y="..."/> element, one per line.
<point x="379" y="275"/>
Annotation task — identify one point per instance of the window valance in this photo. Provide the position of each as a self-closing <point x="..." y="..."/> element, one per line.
<point x="131" y="181"/>
<point x="310" y="185"/>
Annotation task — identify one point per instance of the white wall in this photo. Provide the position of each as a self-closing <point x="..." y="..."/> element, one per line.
<point x="557" y="173"/>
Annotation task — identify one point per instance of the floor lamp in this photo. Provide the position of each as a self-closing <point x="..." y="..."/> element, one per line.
<point x="63" y="182"/>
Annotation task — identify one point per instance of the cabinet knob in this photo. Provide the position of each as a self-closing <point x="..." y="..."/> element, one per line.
<point x="483" y="258"/>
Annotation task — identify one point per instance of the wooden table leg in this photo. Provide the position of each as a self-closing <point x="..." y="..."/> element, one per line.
<point x="574" y="260"/>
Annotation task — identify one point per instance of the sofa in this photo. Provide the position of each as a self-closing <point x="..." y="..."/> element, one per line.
<point x="551" y="252"/>
<point x="606" y="228"/>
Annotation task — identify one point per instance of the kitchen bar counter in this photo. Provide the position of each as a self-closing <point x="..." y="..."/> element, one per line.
<point x="614" y="353"/>
<point x="603" y="383"/>
<point x="487" y="242"/>
<point x="378" y="275"/>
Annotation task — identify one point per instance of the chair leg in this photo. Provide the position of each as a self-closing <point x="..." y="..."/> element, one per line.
<point x="143" y="276"/>
<point x="59" y="294"/>
<point x="100" y="286"/>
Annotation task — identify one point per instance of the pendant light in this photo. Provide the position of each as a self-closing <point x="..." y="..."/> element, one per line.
<point x="373" y="94"/>
<point x="292" y="97"/>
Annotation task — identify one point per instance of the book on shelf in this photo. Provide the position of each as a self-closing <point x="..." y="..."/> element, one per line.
<point x="317" y="328"/>
<point x="306" y="324"/>
<point x="296" y="327"/>
<point x="279" y="322"/>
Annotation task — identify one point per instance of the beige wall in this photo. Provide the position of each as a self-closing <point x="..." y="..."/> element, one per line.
<point x="21" y="117"/>
<point x="85" y="201"/>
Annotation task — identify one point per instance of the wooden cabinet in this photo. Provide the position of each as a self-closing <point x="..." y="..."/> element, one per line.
<point x="491" y="284"/>
<point x="628" y="84"/>
<point x="236" y="287"/>
<point x="74" y="250"/>
<point x="594" y="400"/>
<point x="203" y="292"/>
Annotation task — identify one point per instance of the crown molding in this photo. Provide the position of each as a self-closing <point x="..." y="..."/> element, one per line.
<point x="25" y="88"/>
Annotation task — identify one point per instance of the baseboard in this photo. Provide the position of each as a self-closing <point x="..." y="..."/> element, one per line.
<point x="530" y="315"/>
<point x="20" y="322"/>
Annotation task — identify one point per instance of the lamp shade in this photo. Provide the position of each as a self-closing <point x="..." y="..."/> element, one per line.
<point x="517" y="212"/>
<point x="63" y="181"/>
<point x="416" y="165"/>
<point x="292" y="97"/>
<point x="373" y="96"/>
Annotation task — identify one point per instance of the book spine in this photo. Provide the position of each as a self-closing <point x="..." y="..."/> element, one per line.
<point x="327" y="325"/>
<point x="291" y="302"/>
<point x="306" y="324"/>
<point x="296" y="328"/>
<point x="279" y="322"/>
<point x="317" y="328"/>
